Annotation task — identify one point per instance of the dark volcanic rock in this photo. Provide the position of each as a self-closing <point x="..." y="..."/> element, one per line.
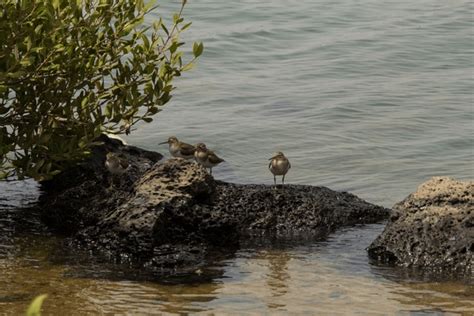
<point x="175" y="213"/>
<point x="157" y="223"/>
<point x="79" y="197"/>
<point x="290" y="210"/>
<point x="433" y="227"/>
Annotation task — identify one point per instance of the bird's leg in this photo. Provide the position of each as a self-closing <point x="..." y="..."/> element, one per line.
<point x="274" y="180"/>
<point x="210" y="171"/>
<point x="111" y="182"/>
<point x="283" y="180"/>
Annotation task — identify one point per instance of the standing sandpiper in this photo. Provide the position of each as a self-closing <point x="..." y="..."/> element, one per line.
<point x="116" y="166"/>
<point x="180" y="149"/>
<point x="279" y="166"/>
<point x="205" y="157"/>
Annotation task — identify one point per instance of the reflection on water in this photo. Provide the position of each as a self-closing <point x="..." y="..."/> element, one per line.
<point x="278" y="277"/>
<point x="334" y="277"/>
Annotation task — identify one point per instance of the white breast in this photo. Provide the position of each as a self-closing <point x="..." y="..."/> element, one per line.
<point x="174" y="151"/>
<point x="201" y="158"/>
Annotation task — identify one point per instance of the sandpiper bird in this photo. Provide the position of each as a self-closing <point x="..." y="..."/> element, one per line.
<point x="279" y="166"/>
<point x="180" y="149"/>
<point x="205" y="157"/>
<point x="115" y="164"/>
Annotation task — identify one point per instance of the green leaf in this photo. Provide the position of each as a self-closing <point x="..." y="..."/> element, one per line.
<point x="165" y="29"/>
<point x="187" y="67"/>
<point x="156" y="25"/>
<point x="146" y="42"/>
<point x="84" y="102"/>
<point x="55" y="172"/>
<point x="28" y="61"/>
<point x="56" y="3"/>
<point x="15" y="75"/>
<point x="176" y="17"/>
<point x="108" y="110"/>
<point x="38" y="28"/>
<point x="149" y="5"/>
<point x="129" y="26"/>
<point x="28" y="42"/>
<point x="35" y="307"/>
<point x="173" y="47"/>
<point x="153" y="110"/>
<point x="186" y="26"/>
<point x="39" y="164"/>
<point x="198" y="49"/>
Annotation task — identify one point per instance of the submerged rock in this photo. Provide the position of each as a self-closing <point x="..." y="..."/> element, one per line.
<point x="433" y="227"/>
<point x="175" y="213"/>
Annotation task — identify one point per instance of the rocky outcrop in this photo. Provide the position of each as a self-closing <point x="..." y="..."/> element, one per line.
<point x="175" y="213"/>
<point x="80" y="196"/>
<point x="178" y="214"/>
<point x="433" y="228"/>
<point x="154" y="223"/>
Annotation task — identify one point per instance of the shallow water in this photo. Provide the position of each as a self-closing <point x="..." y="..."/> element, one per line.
<point x="330" y="277"/>
<point x="372" y="97"/>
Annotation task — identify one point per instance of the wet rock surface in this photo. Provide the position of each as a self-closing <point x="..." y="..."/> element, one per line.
<point x="432" y="228"/>
<point x="173" y="213"/>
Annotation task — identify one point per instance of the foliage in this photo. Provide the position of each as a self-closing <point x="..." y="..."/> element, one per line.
<point x="73" y="69"/>
<point x="35" y="307"/>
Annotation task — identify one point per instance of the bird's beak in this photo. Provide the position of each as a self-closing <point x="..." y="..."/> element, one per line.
<point x="271" y="158"/>
<point x="163" y="143"/>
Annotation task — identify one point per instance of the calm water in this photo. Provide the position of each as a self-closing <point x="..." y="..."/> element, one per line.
<point x="373" y="97"/>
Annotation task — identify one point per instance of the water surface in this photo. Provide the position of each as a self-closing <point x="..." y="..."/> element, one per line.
<point x="374" y="97"/>
<point x="330" y="277"/>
